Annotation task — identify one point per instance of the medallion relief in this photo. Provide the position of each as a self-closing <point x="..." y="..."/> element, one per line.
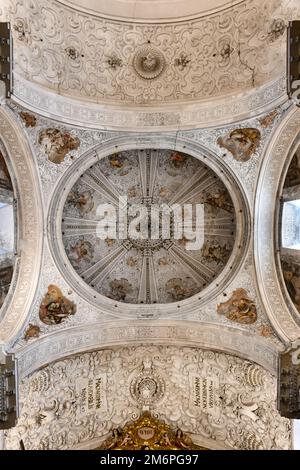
<point x="149" y="62"/>
<point x="147" y="387"/>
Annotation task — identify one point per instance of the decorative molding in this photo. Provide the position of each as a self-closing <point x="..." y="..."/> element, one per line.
<point x="253" y="60"/>
<point x="266" y="226"/>
<point x="30" y="225"/>
<point x="210" y="113"/>
<point x="237" y="176"/>
<point x="64" y="343"/>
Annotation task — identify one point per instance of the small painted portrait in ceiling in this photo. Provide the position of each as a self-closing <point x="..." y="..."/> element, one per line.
<point x="178" y="159"/>
<point x="213" y="251"/>
<point x="81" y="251"/>
<point x="221" y="200"/>
<point x="120" y="289"/>
<point x="180" y="288"/>
<point x="33" y="331"/>
<point x="239" y="308"/>
<point x="82" y="201"/>
<point x="241" y="143"/>
<point x="55" y="308"/>
<point x="119" y="164"/>
<point x="57" y="144"/>
<point x="28" y="119"/>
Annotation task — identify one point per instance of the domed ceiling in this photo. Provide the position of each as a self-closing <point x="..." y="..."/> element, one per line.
<point x="158" y="267"/>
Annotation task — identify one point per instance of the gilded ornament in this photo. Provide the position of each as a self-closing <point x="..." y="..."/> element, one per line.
<point x="148" y="433"/>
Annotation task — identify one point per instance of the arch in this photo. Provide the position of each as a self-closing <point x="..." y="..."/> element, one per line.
<point x="65" y="343"/>
<point x="30" y="226"/>
<point x="268" y="190"/>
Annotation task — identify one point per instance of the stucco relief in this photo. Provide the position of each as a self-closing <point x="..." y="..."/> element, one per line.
<point x="89" y="76"/>
<point x="213" y="395"/>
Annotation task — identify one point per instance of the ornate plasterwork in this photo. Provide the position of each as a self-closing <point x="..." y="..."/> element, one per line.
<point x="149" y="62"/>
<point x="225" y="110"/>
<point x="269" y="189"/>
<point x="230" y="52"/>
<point x="30" y="225"/>
<point x="213" y="395"/>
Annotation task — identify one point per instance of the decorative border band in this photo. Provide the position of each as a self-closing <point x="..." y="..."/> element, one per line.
<point x="203" y="114"/>
<point x="113" y="334"/>
<point x="265" y="227"/>
<point x="30" y="226"/>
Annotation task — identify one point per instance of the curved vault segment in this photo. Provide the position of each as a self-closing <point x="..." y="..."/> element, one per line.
<point x="30" y="226"/>
<point x="64" y="80"/>
<point x="280" y="150"/>
<point x="80" y="339"/>
<point x="163" y="265"/>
